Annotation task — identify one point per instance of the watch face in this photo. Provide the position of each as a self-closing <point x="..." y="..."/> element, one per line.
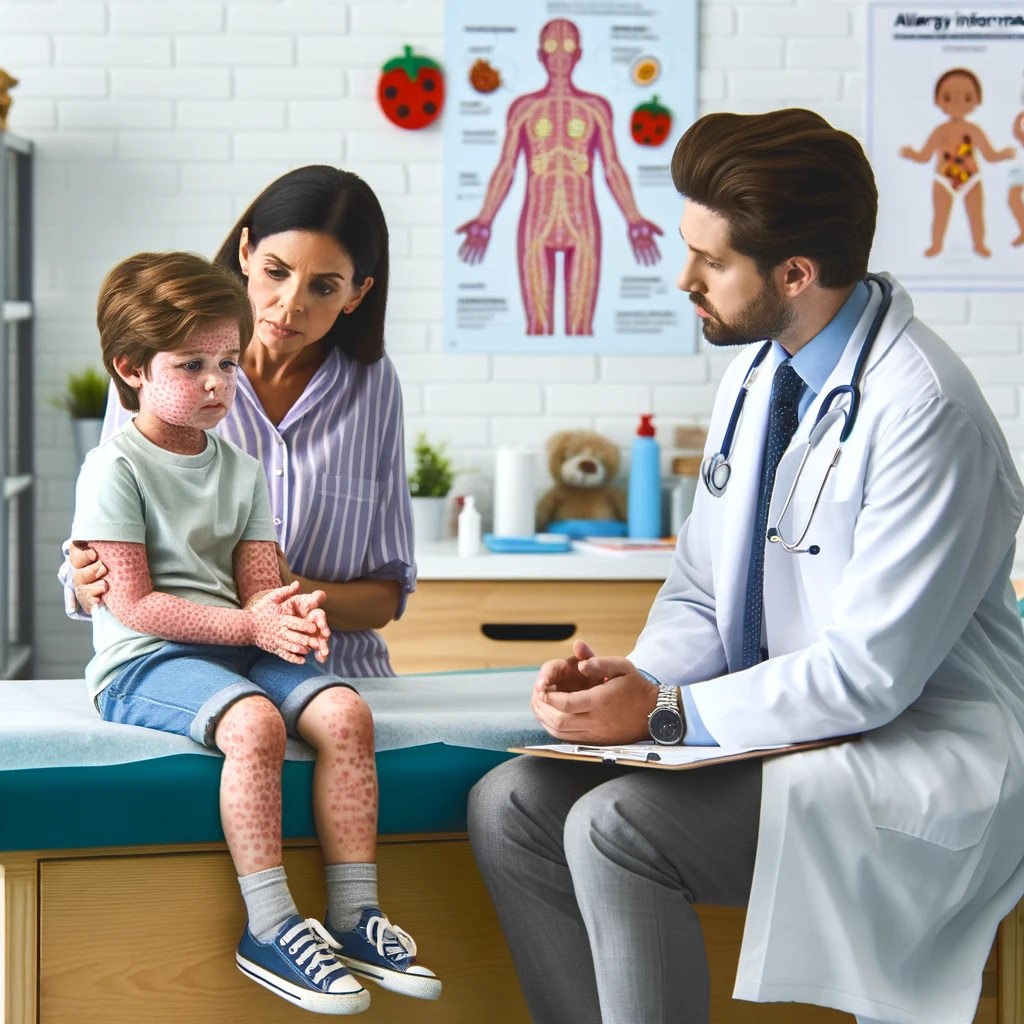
<point x="666" y="726"/>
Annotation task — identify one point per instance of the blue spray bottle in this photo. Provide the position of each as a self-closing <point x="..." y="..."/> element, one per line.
<point x="645" y="482"/>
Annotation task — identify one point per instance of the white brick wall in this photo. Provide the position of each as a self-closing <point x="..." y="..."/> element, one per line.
<point x="157" y="122"/>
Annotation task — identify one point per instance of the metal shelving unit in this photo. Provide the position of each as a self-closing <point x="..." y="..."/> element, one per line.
<point x="17" y="459"/>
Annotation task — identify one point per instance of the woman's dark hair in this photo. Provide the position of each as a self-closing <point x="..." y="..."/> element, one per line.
<point x="952" y="73"/>
<point x="789" y="184"/>
<point x="340" y="204"/>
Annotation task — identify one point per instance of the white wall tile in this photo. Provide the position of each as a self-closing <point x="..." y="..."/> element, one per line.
<point x="20" y="52"/>
<point x="266" y="52"/>
<point x="315" y="16"/>
<point x="173" y="19"/>
<point x="172" y="83"/>
<point x="112" y="51"/>
<point x="43" y="17"/>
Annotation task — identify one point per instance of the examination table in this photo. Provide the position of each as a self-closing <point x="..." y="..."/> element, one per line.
<point x="121" y="904"/>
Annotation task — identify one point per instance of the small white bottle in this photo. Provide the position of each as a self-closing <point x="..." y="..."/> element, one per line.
<point x="469" y="528"/>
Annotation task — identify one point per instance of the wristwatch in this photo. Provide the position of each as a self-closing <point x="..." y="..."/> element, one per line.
<point x="666" y="721"/>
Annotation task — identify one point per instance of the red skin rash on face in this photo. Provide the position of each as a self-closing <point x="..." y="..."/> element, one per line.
<point x="189" y="390"/>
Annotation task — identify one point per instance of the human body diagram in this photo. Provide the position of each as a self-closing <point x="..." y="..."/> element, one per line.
<point x="560" y="129"/>
<point x="956" y="145"/>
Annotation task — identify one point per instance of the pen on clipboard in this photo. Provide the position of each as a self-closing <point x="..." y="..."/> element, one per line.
<point x="613" y="753"/>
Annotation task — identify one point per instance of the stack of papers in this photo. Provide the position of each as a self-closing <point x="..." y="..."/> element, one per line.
<point x="622" y="546"/>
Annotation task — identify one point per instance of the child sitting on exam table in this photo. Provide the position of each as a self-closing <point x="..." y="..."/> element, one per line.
<point x="197" y="636"/>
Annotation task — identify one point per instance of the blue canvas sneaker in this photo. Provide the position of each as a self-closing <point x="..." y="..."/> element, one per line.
<point x="383" y="952"/>
<point x="299" y="966"/>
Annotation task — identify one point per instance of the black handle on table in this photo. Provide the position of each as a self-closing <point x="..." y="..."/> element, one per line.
<point x="549" y="632"/>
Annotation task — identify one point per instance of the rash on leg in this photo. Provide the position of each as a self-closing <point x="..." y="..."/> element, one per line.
<point x="339" y="724"/>
<point x="252" y="737"/>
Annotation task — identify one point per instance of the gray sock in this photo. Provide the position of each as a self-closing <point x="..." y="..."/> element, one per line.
<point x="350" y="888"/>
<point x="268" y="902"/>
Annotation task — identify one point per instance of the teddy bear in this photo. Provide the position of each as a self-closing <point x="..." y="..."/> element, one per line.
<point x="583" y="464"/>
<point x="7" y="81"/>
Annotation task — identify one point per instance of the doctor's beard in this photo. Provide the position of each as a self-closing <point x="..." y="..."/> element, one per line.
<point x="766" y="316"/>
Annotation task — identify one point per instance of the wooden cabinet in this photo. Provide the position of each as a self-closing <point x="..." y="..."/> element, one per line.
<point x="450" y="625"/>
<point x="123" y="936"/>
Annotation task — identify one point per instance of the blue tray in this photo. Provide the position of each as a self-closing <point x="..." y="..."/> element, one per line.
<point x="539" y="543"/>
<point x="580" y="528"/>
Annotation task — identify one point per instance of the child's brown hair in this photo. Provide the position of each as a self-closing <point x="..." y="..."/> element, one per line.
<point x="154" y="301"/>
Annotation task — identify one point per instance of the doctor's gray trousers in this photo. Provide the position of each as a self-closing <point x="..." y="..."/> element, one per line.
<point x="594" y="869"/>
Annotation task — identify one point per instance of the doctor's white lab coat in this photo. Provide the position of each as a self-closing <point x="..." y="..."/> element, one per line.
<point x="884" y="865"/>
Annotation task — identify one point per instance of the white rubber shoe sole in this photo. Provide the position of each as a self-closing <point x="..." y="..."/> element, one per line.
<point x="406" y="983"/>
<point x="335" y="1003"/>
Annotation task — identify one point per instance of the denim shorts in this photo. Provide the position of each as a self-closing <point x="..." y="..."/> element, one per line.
<point x="186" y="688"/>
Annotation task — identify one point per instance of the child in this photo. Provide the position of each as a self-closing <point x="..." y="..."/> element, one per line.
<point x="957" y="94"/>
<point x="1016" y="197"/>
<point x="197" y="636"/>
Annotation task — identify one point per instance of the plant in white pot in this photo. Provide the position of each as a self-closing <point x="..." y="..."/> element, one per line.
<point x="86" y="401"/>
<point x="429" y="483"/>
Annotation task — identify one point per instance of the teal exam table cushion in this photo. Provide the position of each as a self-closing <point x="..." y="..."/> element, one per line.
<point x="70" y="781"/>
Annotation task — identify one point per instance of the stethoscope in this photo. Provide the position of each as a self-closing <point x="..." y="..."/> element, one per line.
<point x="716" y="471"/>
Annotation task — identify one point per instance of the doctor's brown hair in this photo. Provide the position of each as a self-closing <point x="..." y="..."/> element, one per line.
<point x="155" y="301"/>
<point x="789" y="184"/>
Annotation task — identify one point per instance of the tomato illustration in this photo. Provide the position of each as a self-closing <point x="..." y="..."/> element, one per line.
<point x="411" y="90"/>
<point x="651" y="123"/>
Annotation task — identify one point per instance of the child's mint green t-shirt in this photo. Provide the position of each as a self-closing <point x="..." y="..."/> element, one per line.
<point x="189" y="510"/>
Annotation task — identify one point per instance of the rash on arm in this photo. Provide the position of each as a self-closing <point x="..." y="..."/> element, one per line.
<point x="133" y="601"/>
<point x="256" y="570"/>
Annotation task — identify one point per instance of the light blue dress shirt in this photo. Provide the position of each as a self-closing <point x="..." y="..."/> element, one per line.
<point x="815" y="363"/>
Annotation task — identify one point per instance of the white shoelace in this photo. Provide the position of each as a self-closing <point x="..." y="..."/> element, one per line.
<point x="383" y="929"/>
<point x="307" y="936"/>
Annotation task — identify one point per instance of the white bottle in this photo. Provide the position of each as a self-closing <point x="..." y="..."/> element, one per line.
<point x="469" y="528"/>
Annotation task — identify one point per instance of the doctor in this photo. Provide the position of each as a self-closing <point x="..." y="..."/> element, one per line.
<point x="875" y="872"/>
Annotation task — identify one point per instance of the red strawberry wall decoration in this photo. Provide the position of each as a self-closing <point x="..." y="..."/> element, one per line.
<point x="411" y="90"/>
<point x="651" y="123"/>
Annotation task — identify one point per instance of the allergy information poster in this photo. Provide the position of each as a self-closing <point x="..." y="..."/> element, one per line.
<point x="561" y="223"/>
<point x="945" y="134"/>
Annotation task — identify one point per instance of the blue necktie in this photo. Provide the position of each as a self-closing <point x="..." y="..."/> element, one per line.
<point x="783" y="418"/>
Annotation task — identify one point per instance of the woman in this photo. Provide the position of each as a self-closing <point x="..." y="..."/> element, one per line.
<point x="320" y="405"/>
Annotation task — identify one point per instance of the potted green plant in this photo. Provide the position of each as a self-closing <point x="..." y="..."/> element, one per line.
<point x="86" y="401"/>
<point x="429" y="483"/>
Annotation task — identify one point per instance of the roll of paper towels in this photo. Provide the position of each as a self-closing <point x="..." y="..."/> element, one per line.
<point x="513" y="493"/>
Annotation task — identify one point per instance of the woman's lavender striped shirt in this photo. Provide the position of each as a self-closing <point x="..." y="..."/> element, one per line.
<point x="335" y="466"/>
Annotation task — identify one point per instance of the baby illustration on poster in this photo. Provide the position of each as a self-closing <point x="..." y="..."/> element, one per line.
<point x="560" y="218"/>
<point x="959" y="224"/>
<point x="1017" y="176"/>
<point x="953" y="144"/>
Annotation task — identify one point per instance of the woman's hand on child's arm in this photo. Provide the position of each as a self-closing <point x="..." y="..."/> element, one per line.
<point x="88" y="575"/>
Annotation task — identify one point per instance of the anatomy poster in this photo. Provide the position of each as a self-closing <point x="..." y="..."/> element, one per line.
<point x="561" y="223"/>
<point x="945" y="134"/>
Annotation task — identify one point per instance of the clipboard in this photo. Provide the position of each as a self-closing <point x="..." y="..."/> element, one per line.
<point x="671" y="758"/>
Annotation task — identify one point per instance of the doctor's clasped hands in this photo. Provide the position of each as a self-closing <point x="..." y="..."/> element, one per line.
<point x="587" y="699"/>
